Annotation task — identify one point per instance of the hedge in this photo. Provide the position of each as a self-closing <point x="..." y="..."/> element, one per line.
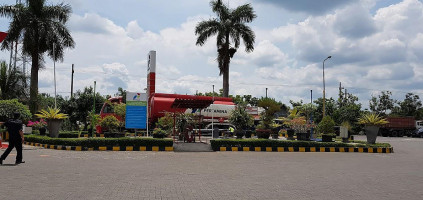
<point x="69" y="134"/>
<point x="216" y="144"/>
<point x="99" y="142"/>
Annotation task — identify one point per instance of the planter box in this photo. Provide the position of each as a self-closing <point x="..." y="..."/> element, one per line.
<point x="263" y="134"/>
<point x="327" y="138"/>
<point x="371" y="133"/>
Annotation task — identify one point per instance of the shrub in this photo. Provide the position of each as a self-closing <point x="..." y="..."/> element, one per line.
<point x="240" y="118"/>
<point x="326" y="126"/>
<point x="166" y="122"/>
<point x="51" y="113"/>
<point x="99" y="142"/>
<point x="372" y="119"/>
<point x="8" y="107"/>
<point x="216" y="144"/>
<point x="110" y="122"/>
<point x="159" y="133"/>
<point x="69" y="134"/>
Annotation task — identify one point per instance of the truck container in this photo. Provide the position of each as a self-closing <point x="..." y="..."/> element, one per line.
<point x="398" y="127"/>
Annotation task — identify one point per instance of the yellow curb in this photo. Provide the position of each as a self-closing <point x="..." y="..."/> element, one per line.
<point x="116" y="148"/>
<point x="312" y="149"/>
<point x="78" y="148"/>
<point x="268" y="149"/>
<point x="302" y="149"/>
<point x="341" y="149"/>
<point x="129" y="148"/>
<point x="245" y="148"/>
<point x="143" y="148"/>
<point x="369" y="150"/>
<point x="234" y="148"/>
<point x="257" y="148"/>
<point x="351" y="149"/>
<point x="168" y="148"/>
<point x="102" y="148"/>
<point x="291" y="149"/>
<point x="51" y="146"/>
<point x="68" y="148"/>
<point x="332" y="149"/>
<point x="155" y="148"/>
<point x="222" y="148"/>
<point x="281" y="149"/>
<point x="90" y="149"/>
<point x="388" y="150"/>
<point x="360" y="149"/>
<point x="379" y="150"/>
<point x="322" y="149"/>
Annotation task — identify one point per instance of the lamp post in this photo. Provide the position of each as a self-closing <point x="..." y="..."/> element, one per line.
<point x="212" y="110"/>
<point x="266" y="92"/>
<point x="324" y="87"/>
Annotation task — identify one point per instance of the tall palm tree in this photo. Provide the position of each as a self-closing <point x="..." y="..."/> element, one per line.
<point x="11" y="82"/>
<point x="229" y="26"/>
<point x="42" y="29"/>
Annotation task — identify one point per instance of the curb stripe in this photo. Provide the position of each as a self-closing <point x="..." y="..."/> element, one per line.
<point x="311" y="149"/>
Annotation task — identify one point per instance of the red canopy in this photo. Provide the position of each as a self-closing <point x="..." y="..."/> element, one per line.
<point x="2" y="36"/>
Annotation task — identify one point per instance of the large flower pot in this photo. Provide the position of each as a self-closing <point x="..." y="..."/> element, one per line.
<point x="371" y="133"/>
<point x="327" y="138"/>
<point x="53" y="126"/>
<point x="302" y="136"/>
<point x="263" y="133"/>
<point x="248" y="134"/>
<point x="239" y="134"/>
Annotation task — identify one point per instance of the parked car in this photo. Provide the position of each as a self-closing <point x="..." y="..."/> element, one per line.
<point x="418" y="133"/>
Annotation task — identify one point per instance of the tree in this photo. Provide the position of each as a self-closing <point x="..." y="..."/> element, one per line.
<point x="42" y="29"/>
<point x="410" y="106"/>
<point x="11" y="82"/>
<point x="330" y="108"/>
<point x="229" y="27"/>
<point x="82" y="104"/>
<point x="382" y="104"/>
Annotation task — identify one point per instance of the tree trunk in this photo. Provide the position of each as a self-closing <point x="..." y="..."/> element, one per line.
<point x="226" y="81"/>
<point x="34" y="84"/>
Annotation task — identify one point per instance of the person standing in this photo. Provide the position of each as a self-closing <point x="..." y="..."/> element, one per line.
<point x="16" y="138"/>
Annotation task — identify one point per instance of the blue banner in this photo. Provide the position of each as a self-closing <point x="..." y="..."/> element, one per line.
<point x="136" y="117"/>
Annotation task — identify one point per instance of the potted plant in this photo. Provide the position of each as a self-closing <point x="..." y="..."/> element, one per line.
<point x="54" y="120"/>
<point x="300" y="127"/>
<point x="372" y="122"/>
<point x="241" y="120"/>
<point x="270" y="108"/>
<point x="325" y="127"/>
<point x="38" y="125"/>
<point x="111" y="123"/>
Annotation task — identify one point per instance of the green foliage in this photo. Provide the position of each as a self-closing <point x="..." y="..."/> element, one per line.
<point x="69" y="134"/>
<point x="100" y="142"/>
<point x="12" y="82"/>
<point x="330" y="108"/>
<point x="8" y="107"/>
<point x="240" y="118"/>
<point x="159" y="133"/>
<point x="271" y="106"/>
<point x="166" y="122"/>
<point x="383" y="103"/>
<point x="183" y="121"/>
<point x="81" y="105"/>
<point x="120" y="110"/>
<point x="110" y="122"/>
<point x="51" y="113"/>
<point x="326" y="125"/>
<point x="372" y="119"/>
<point x="94" y="119"/>
<point x="216" y="144"/>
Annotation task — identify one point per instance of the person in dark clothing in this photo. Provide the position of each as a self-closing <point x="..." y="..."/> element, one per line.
<point x="16" y="138"/>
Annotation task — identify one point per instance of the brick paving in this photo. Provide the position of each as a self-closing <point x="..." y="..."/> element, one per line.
<point x="54" y="174"/>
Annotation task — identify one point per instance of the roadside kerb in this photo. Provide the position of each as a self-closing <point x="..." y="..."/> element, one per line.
<point x="313" y="149"/>
<point x="102" y="148"/>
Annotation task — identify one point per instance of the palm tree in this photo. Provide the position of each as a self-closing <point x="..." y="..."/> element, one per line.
<point x="11" y="82"/>
<point x="229" y="27"/>
<point x="42" y="29"/>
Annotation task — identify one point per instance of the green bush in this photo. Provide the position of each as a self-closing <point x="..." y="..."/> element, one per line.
<point x="100" y="142"/>
<point x="326" y="126"/>
<point x="35" y="132"/>
<point x="216" y="144"/>
<point x="159" y="133"/>
<point x="69" y="134"/>
<point x="110" y="122"/>
<point x="8" y="107"/>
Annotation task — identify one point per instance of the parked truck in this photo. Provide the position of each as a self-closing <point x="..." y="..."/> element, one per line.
<point x="400" y="126"/>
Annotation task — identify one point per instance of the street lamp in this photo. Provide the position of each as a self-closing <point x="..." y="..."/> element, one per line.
<point x="324" y="87"/>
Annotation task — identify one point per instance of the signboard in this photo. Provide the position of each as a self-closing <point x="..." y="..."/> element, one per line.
<point x="136" y="110"/>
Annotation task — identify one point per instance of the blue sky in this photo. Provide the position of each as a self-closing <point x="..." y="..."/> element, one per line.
<point x="375" y="45"/>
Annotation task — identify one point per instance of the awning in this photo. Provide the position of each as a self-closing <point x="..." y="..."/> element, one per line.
<point x="2" y="36"/>
<point x="191" y="103"/>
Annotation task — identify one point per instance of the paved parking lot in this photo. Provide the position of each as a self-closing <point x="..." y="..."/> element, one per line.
<point x="53" y="174"/>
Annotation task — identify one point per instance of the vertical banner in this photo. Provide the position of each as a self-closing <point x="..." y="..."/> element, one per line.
<point x="136" y="110"/>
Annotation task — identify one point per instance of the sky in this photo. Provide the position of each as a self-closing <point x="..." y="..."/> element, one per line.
<point x="375" y="45"/>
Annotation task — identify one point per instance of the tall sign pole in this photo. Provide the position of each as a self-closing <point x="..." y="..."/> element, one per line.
<point x="72" y="82"/>
<point x="54" y="67"/>
<point x="94" y="98"/>
<point x="213" y="115"/>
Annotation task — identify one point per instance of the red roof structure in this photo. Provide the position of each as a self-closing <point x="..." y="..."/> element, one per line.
<point x="2" y="36"/>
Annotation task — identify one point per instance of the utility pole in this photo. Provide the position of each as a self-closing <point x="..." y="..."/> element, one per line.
<point x="340" y="94"/>
<point x="94" y="98"/>
<point x="72" y="82"/>
<point x="266" y="93"/>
